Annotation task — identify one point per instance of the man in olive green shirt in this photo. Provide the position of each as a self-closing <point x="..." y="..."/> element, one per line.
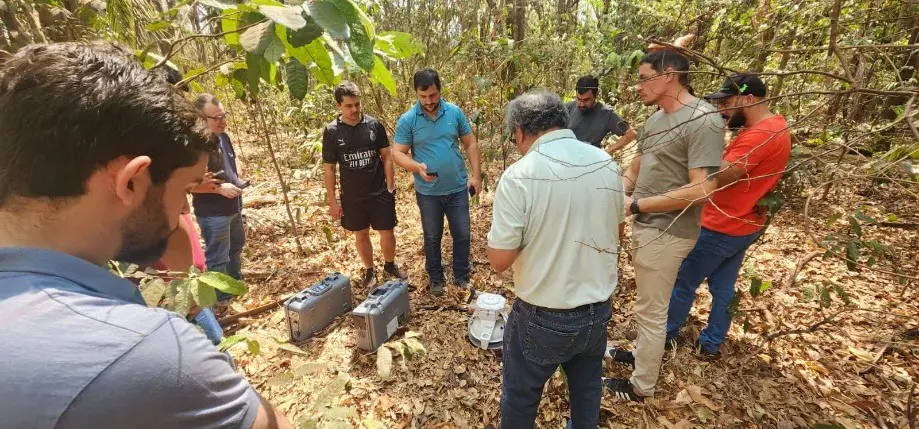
<point x="679" y="153"/>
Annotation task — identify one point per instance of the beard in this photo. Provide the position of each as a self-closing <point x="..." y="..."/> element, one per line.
<point x="737" y="120"/>
<point x="145" y="232"/>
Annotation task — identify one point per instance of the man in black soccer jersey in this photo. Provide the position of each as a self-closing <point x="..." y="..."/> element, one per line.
<point x="358" y="143"/>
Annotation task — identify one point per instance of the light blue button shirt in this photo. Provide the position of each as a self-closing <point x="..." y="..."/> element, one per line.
<point x="435" y="142"/>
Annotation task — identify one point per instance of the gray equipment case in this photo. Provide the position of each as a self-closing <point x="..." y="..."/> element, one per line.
<point x="317" y="306"/>
<point x="377" y="318"/>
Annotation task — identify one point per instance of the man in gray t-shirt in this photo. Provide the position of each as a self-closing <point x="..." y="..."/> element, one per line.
<point x="679" y="153"/>
<point x="592" y="120"/>
<point x="99" y="155"/>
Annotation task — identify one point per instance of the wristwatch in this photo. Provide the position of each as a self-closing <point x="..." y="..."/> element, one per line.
<point x="634" y="207"/>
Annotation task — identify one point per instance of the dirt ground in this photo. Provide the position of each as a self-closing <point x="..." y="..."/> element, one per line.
<point x="854" y="371"/>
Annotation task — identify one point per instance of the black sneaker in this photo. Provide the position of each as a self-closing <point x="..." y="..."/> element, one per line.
<point x="622" y="390"/>
<point x="706" y="355"/>
<point x="437" y="288"/>
<point x="395" y="271"/>
<point x="370" y="278"/>
<point x="621" y="355"/>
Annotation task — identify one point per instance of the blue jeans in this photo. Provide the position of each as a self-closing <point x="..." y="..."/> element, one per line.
<point x="224" y="238"/>
<point x="536" y="341"/>
<point x="208" y="323"/>
<point x="718" y="257"/>
<point x="433" y="209"/>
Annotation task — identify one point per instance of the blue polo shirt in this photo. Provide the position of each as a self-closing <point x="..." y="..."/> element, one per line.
<point x="83" y="351"/>
<point x="435" y="142"/>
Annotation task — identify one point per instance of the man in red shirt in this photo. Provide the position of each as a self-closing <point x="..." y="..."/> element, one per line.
<point x="753" y="164"/>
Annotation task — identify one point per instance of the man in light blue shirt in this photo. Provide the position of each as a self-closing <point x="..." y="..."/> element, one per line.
<point x="427" y="143"/>
<point x="99" y="155"/>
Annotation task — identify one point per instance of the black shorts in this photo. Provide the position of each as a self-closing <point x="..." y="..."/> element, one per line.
<point x="378" y="211"/>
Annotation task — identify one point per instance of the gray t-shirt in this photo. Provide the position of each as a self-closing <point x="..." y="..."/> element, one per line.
<point x="670" y="145"/>
<point x="593" y="125"/>
<point x="84" y="351"/>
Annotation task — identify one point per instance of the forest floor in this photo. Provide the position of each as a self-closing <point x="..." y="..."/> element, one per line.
<point x="854" y="371"/>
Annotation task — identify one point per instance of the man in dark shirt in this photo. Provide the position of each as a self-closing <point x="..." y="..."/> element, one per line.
<point x="358" y="143"/>
<point x="592" y="120"/>
<point x="218" y="203"/>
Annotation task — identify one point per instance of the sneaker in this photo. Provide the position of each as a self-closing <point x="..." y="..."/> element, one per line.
<point x="395" y="271"/>
<point x="621" y="355"/>
<point x="437" y="288"/>
<point x="622" y="390"/>
<point x="370" y="278"/>
<point x="706" y="355"/>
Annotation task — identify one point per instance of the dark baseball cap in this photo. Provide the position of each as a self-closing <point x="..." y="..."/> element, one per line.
<point x="740" y="84"/>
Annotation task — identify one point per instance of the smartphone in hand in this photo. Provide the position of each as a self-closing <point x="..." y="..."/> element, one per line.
<point x="432" y="173"/>
<point x="244" y="185"/>
<point x="471" y="192"/>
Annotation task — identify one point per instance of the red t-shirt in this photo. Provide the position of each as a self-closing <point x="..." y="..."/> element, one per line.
<point x="763" y="150"/>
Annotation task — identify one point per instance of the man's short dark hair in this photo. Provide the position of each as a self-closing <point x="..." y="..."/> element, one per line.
<point x="346" y="89"/>
<point x="425" y="78"/>
<point x="588" y="83"/>
<point x="535" y="112"/>
<point x="661" y="60"/>
<point x="68" y="109"/>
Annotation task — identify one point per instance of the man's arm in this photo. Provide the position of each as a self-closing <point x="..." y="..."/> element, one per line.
<point x="269" y="418"/>
<point x="328" y="177"/>
<point x="403" y="159"/>
<point x="729" y="173"/>
<point x="624" y="139"/>
<point x="386" y="156"/>
<point x="697" y="192"/>
<point x="471" y="146"/>
<point x="501" y="260"/>
<point x="631" y="175"/>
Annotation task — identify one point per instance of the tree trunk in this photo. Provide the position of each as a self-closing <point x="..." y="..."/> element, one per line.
<point x="909" y="63"/>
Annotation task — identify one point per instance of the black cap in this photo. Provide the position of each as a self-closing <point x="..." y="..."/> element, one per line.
<point x="740" y="84"/>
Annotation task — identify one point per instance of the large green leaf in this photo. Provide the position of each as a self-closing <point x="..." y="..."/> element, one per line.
<point x="397" y="44"/>
<point x="228" y="24"/>
<point x="315" y="56"/>
<point x="204" y="295"/>
<point x="305" y="35"/>
<point x="157" y="26"/>
<point x="182" y="302"/>
<point x="153" y="291"/>
<point x="230" y="341"/>
<point x="361" y="47"/>
<point x="274" y="50"/>
<point x="381" y="75"/>
<point x="254" y="63"/>
<point x="297" y="78"/>
<point x="288" y="16"/>
<point x="257" y="38"/>
<point x="223" y="283"/>
<point x="329" y="17"/>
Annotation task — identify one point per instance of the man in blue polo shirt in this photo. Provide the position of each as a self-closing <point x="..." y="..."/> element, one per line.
<point x="99" y="154"/>
<point x="426" y="143"/>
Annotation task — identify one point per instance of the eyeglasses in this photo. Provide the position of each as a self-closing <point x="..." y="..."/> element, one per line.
<point x="217" y="118"/>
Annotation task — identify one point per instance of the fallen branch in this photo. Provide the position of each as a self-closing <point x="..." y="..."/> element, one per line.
<point x="790" y="280"/>
<point x="900" y="225"/>
<point x="229" y="320"/>
<point x="809" y="329"/>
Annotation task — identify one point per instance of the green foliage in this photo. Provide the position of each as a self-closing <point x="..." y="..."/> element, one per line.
<point x="329" y="17"/>
<point x="180" y="294"/>
<point x="297" y="78"/>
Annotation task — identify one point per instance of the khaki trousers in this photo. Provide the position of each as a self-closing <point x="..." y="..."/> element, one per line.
<point x="657" y="257"/>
